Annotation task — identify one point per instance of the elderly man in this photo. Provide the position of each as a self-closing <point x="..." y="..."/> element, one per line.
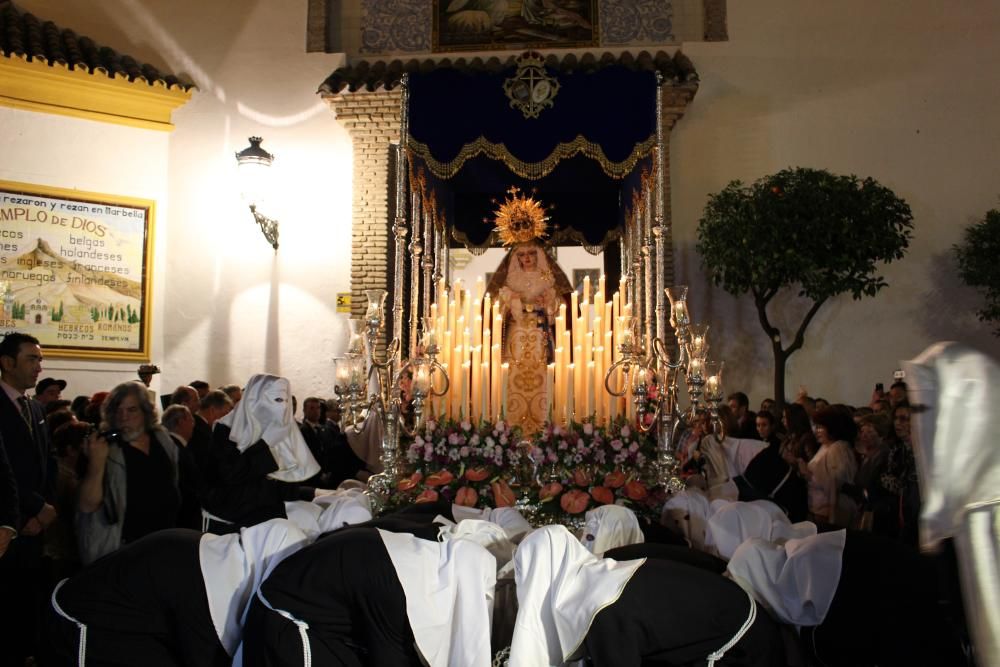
<point x="130" y="486"/>
<point x="26" y="442"/>
<point x="179" y="422"/>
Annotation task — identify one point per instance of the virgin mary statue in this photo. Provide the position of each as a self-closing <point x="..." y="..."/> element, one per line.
<point x="530" y="286"/>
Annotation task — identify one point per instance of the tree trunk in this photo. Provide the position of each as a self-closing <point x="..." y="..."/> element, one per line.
<point x="780" y="357"/>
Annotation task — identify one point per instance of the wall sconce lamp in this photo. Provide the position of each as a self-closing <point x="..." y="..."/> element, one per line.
<point x="253" y="163"/>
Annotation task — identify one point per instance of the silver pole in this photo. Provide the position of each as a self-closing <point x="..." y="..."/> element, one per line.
<point x="660" y="229"/>
<point x="416" y="250"/>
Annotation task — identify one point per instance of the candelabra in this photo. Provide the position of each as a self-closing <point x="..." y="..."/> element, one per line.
<point x="385" y="398"/>
<point x="654" y="379"/>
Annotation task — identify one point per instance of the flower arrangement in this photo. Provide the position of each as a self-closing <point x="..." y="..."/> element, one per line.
<point x="561" y="471"/>
<point x="583" y="466"/>
<point x="460" y="463"/>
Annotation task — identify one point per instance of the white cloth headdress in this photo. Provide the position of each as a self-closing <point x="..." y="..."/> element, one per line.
<point x="687" y="512"/>
<point x="449" y="588"/>
<point x="265" y="413"/>
<point x="735" y="523"/>
<point x="608" y="527"/>
<point x="508" y="518"/>
<point x="233" y="566"/>
<point x="955" y="391"/>
<point x="487" y="534"/>
<point x="560" y="589"/>
<point x="796" y="580"/>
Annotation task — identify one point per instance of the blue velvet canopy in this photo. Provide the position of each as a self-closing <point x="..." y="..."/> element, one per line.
<point x="581" y="157"/>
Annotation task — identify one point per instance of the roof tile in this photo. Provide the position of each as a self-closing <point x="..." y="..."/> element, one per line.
<point x="22" y="34"/>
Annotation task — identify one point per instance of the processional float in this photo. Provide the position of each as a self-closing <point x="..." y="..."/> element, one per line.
<point x="614" y="358"/>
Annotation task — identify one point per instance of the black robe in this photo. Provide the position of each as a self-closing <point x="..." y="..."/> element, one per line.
<point x="144" y="604"/>
<point x="671" y="613"/>
<point x="885" y="611"/>
<point x="237" y="487"/>
<point x="346" y="589"/>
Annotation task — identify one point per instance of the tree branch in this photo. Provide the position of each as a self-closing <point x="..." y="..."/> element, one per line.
<point x="800" y="334"/>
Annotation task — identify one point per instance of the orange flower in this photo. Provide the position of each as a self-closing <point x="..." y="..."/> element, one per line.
<point x="408" y="483"/>
<point x="477" y="474"/>
<point x="636" y="490"/>
<point x="582" y="477"/>
<point x="427" y="496"/>
<point x="574" y="501"/>
<point x="614" y="480"/>
<point x="467" y="497"/>
<point x="439" y="478"/>
<point x="550" y="490"/>
<point x="603" y="495"/>
<point x="503" y="496"/>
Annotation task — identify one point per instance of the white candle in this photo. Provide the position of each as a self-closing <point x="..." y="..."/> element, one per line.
<point x="477" y="388"/>
<point x="463" y="411"/>
<point x="550" y="377"/>
<point x="504" y="378"/>
<point x="570" y="394"/>
<point x="590" y="389"/>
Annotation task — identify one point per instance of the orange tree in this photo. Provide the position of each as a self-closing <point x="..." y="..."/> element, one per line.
<point x="978" y="266"/>
<point x="803" y="231"/>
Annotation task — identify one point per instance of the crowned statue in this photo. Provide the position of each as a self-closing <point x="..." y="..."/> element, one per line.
<point x="530" y="286"/>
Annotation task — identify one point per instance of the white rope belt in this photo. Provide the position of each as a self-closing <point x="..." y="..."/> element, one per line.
<point x="301" y="625"/>
<point x="207" y="516"/>
<point x="81" y="651"/>
<point x="781" y="483"/>
<point x="717" y="655"/>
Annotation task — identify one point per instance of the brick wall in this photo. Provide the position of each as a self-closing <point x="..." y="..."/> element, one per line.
<point x="372" y="119"/>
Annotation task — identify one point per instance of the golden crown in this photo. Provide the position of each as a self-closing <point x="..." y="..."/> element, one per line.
<point x="520" y="219"/>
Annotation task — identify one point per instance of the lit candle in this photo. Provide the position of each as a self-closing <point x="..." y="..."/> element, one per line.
<point x="694" y="366"/>
<point x="479" y="288"/>
<point x="550" y="381"/>
<point x="586" y="288"/>
<point x="590" y="389"/>
<point x="504" y="377"/>
<point x="559" y="382"/>
<point x="477" y="376"/>
<point x="463" y="410"/>
<point x="495" y="380"/>
<point x="570" y="394"/>
<point x="484" y="400"/>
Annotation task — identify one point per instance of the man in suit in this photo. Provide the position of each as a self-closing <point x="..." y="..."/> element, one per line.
<point x="179" y="423"/>
<point x="26" y="443"/>
<point x="746" y="419"/>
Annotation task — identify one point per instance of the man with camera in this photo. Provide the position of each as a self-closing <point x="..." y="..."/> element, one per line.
<point x="130" y="488"/>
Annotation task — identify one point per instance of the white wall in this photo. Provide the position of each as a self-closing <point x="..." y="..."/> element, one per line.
<point x="59" y="151"/>
<point x="903" y="92"/>
<point x="228" y="306"/>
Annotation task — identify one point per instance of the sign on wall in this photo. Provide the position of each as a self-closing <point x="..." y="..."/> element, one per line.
<point x="75" y="270"/>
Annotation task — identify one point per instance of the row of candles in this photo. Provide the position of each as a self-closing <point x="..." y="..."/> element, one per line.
<point x="464" y="332"/>
<point x="467" y="328"/>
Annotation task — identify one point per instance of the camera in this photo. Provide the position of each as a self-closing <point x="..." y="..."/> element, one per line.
<point x="112" y="436"/>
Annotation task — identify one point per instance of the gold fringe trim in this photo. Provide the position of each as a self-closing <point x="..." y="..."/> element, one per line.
<point x="533" y="170"/>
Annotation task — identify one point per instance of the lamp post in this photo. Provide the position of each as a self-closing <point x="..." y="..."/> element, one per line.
<point x="254" y="163"/>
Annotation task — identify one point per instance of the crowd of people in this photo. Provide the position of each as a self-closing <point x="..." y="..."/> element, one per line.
<point x="834" y="464"/>
<point x="81" y="478"/>
<point x="225" y="530"/>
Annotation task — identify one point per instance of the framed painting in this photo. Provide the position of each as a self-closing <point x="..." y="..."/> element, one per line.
<point x="492" y="25"/>
<point x="76" y="270"/>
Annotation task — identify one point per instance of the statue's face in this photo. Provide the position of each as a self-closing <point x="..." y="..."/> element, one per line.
<point x="527" y="258"/>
